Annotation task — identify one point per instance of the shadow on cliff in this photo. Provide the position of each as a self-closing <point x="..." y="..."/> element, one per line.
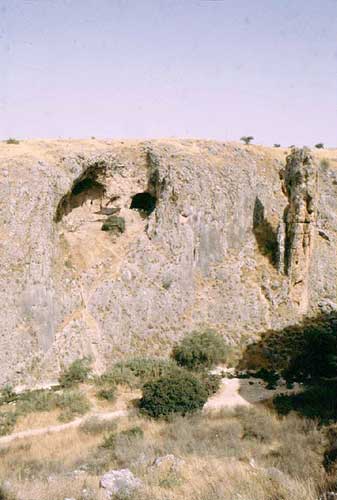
<point x="85" y="188"/>
<point x="265" y="235"/>
<point x="305" y="353"/>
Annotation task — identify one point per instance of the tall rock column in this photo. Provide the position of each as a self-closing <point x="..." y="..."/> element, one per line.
<point x="299" y="179"/>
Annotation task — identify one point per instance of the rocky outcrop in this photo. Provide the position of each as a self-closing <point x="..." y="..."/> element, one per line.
<point x="196" y="238"/>
<point x="119" y="483"/>
<point x="300" y="186"/>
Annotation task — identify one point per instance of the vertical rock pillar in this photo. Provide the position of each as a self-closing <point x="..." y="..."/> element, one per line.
<point x="299" y="179"/>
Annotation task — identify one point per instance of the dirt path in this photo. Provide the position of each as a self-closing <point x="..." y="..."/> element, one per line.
<point x="62" y="427"/>
<point x="227" y="396"/>
<point x="244" y="392"/>
<point x="233" y="392"/>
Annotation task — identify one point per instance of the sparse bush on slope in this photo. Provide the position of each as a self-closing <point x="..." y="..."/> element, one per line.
<point x="247" y="139"/>
<point x="72" y="403"/>
<point x="7" y="394"/>
<point x="76" y="373"/>
<point x="137" y="371"/>
<point x="11" y="140"/>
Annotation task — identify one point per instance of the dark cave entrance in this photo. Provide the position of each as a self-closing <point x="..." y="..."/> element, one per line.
<point x="84" y="189"/>
<point x="145" y="203"/>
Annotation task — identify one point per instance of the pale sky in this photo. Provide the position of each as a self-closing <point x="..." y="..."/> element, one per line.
<point x="215" y="69"/>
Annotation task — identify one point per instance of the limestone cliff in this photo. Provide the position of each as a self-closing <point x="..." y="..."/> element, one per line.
<point x="195" y="233"/>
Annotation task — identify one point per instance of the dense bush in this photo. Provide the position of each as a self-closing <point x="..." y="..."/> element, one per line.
<point x="269" y="376"/>
<point x="77" y="372"/>
<point x="312" y="362"/>
<point x="317" y="357"/>
<point x="181" y="392"/>
<point x="200" y="350"/>
<point x="318" y="402"/>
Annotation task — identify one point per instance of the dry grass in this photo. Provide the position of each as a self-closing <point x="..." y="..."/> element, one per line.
<point x="216" y="448"/>
<point x="37" y="420"/>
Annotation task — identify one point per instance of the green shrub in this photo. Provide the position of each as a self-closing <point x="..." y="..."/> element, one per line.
<point x="269" y="376"/>
<point x="114" y="224"/>
<point x="11" y="140"/>
<point x="317" y="402"/>
<point x="148" y="368"/>
<point x="181" y="392"/>
<point x="317" y="357"/>
<point x="247" y="139"/>
<point x="77" y="372"/>
<point x="319" y="145"/>
<point x="108" y="393"/>
<point x="119" y="374"/>
<point x="7" y="422"/>
<point x="36" y="401"/>
<point x="109" y="441"/>
<point x="72" y="403"/>
<point x="7" y="394"/>
<point x="200" y="350"/>
<point x="137" y="371"/>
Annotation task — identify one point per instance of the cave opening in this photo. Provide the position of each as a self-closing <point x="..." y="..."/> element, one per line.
<point x="85" y="189"/>
<point x="145" y="203"/>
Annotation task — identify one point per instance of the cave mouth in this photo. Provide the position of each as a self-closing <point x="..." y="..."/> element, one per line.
<point x="84" y="189"/>
<point x="145" y="203"/>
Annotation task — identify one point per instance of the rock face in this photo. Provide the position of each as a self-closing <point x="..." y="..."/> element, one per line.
<point x="197" y="234"/>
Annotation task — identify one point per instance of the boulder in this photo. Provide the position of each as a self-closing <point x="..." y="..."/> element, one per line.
<point x="120" y="481"/>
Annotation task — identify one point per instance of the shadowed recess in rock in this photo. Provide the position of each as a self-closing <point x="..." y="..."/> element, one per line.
<point x="144" y="202"/>
<point x="85" y="188"/>
<point x="265" y="235"/>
